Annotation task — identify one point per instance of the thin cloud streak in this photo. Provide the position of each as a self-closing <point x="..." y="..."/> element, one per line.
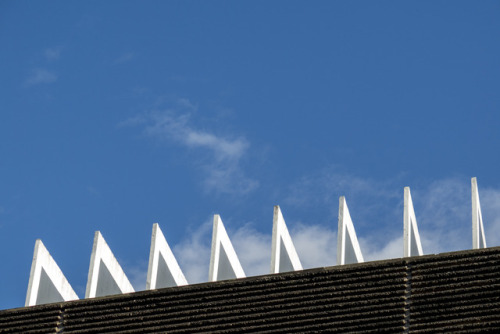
<point x="221" y="158"/>
<point x="52" y="54"/>
<point x="41" y="76"/>
<point x="124" y="58"/>
<point x="169" y="126"/>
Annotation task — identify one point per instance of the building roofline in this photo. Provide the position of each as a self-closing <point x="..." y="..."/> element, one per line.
<point x="403" y="261"/>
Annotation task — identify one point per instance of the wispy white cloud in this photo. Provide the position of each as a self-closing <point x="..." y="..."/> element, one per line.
<point x="124" y="58"/>
<point x="41" y="76"/>
<point x="442" y="210"/>
<point x="221" y="163"/>
<point x="52" y="54"/>
<point x="136" y="120"/>
<point x="2" y="211"/>
<point x="315" y="246"/>
<point x="490" y="205"/>
<point x="93" y="191"/>
<point x="391" y="248"/>
<point x="375" y="205"/>
<point x="442" y="207"/>
<point x="193" y="253"/>
<point x="253" y="249"/>
<point x="169" y="126"/>
<point x="323" y="188"/>
<point x="137" y="274"/>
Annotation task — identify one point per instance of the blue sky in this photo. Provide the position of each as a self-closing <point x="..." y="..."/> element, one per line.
<point x="116" y="115"/>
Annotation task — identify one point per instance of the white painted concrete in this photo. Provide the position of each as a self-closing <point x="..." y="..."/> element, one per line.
<point x="412" y="244"/>
<point x="478" y="237"/>
<point x="348" y="250"/>
<point x="47" y="283"/>
<point x="224" y="263"/>
<point x="283" y="254"/>
<point x="106" y="276"/>
<point x="163" y="269"/>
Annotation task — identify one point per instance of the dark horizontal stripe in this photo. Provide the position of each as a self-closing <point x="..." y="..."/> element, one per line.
<point x="255" y="299"/>
<point x="249" y="310"/>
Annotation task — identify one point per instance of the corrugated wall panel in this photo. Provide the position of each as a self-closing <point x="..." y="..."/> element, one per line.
<point x="451" y="292"/>
<point x="367" y="295"/>
<point x="40" y="319"/>
<point x="460" y="291"/>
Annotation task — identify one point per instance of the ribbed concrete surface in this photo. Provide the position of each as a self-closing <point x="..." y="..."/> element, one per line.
<point x="31" y="320"/>
<point x="448" y="292"/>
<point x="457" y="292"/>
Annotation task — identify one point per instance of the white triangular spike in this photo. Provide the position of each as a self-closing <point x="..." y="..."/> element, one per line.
<point x="478" y="238"/>
<point x="224" y="263"/>
<point x="106" y="276"/>
<point x="412" y="244"/>
<point x="163" y="270"/>
<point x="348" y="250"/>
<point x="47" y="283"/>
<point x="283" y="254"/>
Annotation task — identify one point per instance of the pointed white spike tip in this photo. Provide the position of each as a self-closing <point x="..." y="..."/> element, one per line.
<point x="478" y="236"/>
<point x="348" y="249"/>
<point x="106" y="276"/>
<point x="412" y="243"/>
<point x="224" y="263"/>
<point x="47" y="283"/>
<point x="163" y="269"/>
<point x="284" y="257"/>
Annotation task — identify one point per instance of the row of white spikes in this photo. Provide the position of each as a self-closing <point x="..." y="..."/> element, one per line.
<point x="106" y="277"/>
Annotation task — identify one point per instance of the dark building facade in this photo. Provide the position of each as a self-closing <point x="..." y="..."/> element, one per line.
<point x="452" y="292"/>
